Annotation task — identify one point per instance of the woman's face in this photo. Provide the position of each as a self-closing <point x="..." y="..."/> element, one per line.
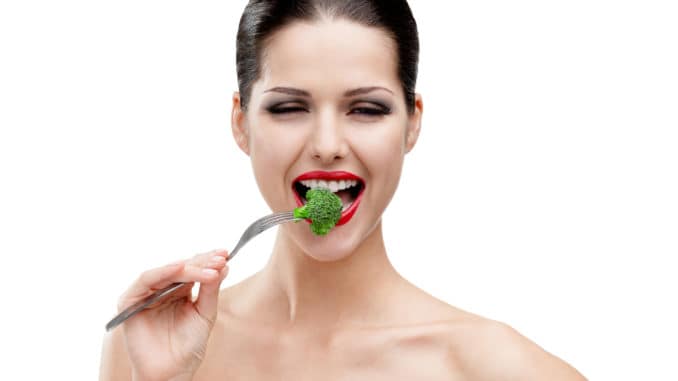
<point x="328" y="110"/>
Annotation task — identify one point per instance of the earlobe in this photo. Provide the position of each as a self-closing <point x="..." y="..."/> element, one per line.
<point x="238" y="125"/>
<point x="414" y="124"/>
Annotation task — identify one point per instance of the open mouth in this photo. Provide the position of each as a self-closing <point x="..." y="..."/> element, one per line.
<point x="347" y="186"/>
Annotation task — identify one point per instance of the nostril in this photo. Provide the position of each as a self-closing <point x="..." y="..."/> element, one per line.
<point x="327" y="158"/>
<point x="328" y="150"/>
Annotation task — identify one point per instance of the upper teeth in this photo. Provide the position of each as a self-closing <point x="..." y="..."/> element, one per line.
<point x="332" y="185"/>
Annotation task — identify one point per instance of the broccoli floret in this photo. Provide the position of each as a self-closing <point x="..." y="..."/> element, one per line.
<point x="323" y="209"/>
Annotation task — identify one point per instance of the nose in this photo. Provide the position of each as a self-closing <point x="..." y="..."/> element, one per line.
<point x="327" y="143"/>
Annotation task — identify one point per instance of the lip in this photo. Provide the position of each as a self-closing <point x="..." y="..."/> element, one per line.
<point x="347" y="214"/>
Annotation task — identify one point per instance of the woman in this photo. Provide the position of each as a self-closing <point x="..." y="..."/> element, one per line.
<point x="326" y="98"/>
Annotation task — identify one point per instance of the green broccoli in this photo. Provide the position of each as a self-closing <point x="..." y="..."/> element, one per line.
<point x="323" y="209"/>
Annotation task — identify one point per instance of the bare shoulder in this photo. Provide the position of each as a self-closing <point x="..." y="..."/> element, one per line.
<point x="485" y="349"/>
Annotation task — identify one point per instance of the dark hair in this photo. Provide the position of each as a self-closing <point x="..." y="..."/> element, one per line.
<point x="262" y="18"/>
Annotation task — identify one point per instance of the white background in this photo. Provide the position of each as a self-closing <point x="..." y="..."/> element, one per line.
<point x="543" y="190"/>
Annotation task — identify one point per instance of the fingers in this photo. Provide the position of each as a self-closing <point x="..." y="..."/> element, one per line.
<point x="201" y="268"/>
<point x="208" y="297"/>
<point x="209" y="263"/>
<point x="148" y="282"/>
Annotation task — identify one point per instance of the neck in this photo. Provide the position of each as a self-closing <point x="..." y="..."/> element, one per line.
<point x="348" y="291"/>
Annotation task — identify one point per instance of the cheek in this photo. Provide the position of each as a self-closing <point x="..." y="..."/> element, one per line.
<point x="272" y="151"/>
<point x="382" y="151"/>
<point x="266" y="149"/>
<point x="388" y="168"/>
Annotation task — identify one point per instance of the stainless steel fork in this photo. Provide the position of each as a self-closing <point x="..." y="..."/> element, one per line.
<point x="252" y="231"/>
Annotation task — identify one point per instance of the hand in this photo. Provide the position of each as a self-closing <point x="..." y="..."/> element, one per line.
<point x="168" y="340"/>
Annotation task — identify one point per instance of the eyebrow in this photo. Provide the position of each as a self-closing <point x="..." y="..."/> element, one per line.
<point x="289" y="91"/>
<point x="304" y="93"/>
<point x="365" y="90"/>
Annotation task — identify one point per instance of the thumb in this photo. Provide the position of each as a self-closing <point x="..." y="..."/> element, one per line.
<point x="208" y="296"/>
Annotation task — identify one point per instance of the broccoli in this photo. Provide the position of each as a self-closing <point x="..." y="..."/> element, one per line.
<point x="323" y="209"/>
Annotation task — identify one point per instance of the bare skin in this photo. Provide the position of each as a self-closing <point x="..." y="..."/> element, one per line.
<point x="405" y="334"/>
<point x="333" y="307"/>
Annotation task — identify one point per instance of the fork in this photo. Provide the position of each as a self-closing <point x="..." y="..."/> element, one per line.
<point x="252" y="231"/>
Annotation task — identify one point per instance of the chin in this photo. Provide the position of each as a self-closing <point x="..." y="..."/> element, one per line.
<point x="334" y="246"/>
<point x="328" y="256"/>
<point x="340" y="243"/>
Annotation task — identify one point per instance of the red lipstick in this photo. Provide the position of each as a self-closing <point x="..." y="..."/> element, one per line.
<point x="347" y="214"/>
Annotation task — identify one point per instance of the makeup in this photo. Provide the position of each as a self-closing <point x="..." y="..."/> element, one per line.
<point x="348" y="186"/>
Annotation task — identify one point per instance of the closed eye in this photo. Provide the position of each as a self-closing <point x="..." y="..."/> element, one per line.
<point x="286" y="108"/>
<point x="369" y="111"/>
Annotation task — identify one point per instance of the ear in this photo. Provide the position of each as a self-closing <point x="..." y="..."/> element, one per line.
<point x="414" y="124"/>
<point x="239" y="126"/>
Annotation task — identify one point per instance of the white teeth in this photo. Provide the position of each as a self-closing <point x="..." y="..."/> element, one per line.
<point x="332" y="185"/>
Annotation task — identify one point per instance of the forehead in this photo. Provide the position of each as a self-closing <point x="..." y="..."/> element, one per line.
<point x="324" y="53"/>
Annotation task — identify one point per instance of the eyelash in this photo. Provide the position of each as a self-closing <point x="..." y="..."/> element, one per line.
<point x="369" y="111"/>
<point x="285" y="110"/>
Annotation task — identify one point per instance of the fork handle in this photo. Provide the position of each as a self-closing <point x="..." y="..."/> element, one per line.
<point x="271" y="220"/>
<point x="142" y="304"/>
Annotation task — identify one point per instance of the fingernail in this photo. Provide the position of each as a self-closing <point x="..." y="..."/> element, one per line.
<point x="209" y="272"/>
<point x="218" y="259"/>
